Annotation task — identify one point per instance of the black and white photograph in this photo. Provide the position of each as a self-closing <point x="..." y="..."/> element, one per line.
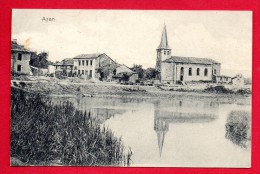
<point x="131" y="88"/>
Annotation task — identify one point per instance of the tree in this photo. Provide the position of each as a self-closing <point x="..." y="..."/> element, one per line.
<point x="139" y="70"/>
<point x="150" y="73"/>
<point x="39" y="60"/>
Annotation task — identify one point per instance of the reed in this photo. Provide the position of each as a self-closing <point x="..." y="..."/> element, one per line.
<point x="46" y="134"/>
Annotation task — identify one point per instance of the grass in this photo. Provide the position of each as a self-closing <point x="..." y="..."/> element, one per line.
<point x="43" y="134"/>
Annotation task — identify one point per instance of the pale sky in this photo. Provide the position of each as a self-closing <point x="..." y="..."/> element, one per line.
<point x="132" y="36"/>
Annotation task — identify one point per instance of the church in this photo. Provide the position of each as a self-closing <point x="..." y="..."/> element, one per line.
<point x="176" y="69"/>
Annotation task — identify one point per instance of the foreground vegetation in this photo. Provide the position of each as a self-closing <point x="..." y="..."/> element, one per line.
<point x="46" y="134"/>
<point x="238" y="128"/>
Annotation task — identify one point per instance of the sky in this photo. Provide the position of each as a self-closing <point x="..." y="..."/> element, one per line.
<point x="132" y="36"/>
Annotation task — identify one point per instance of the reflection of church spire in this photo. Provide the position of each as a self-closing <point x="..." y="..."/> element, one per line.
<point x="161" y="127"/>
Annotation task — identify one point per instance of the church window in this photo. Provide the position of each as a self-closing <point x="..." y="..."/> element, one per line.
<point x="190" y="71"/>
<point x="198" y="71"/>
<point x="182" y="70"/>
<point x="206" y="72"/>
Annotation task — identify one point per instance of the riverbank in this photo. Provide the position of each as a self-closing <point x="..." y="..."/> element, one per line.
<point x="44" y="134"/>
<point x="65" y="88"/>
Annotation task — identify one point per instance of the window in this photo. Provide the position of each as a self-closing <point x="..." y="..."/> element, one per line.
<point x="220" y="78"/>
<point x="83" y="72"/>
<point x="91" y="62"/>
<point x="206" y="72"/>
<point x="90" y="73"/>
<point x="19" y="68"/>
<point x="75" y="68"/>
<point x="215" y="71"/>
<point x="86" y="72"/>
<point x="79" y="62"/>
<point x="87" y="62"/>
<point x="164" y="52"/>
<point x="19" y="56"/>
<point x="168" y="52"/>
<point x="78" y="72"/>
<point x="83" y="62"/>
<point x="198" y="71"/>
<point x="190" y="71"/>
<point x="182" y="70"/>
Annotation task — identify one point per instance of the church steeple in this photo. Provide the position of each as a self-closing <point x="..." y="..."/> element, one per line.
<point x="163" y="50"/>
<point x="164" y="40"/>
<point x="161" y="127"/>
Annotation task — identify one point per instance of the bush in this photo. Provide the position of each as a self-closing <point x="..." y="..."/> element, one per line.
<point x="44" y="132"/>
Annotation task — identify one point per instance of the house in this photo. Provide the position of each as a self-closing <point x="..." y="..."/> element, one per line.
<point x="88" y="65"/>
<point x="223" y="79"/>
<point x="20" y="59"/>
<point x="114" y="71"/>
<point x="174" y="69"/>
<point x="238" y="81"/>
<point x="125" y="77"/>
<point x="65" y="67"/>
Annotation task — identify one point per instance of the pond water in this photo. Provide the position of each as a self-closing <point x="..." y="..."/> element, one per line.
<point x="176" y="133"/>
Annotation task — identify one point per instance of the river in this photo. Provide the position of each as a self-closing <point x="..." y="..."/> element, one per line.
<point x="176" y="133"/>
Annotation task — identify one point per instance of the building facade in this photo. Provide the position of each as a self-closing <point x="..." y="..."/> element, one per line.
<point x="176" y="69"/>
<point x="87" y="65"/>
<point x="20" y="59"/>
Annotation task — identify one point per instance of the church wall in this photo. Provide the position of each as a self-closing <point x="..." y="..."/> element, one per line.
<point x="194" y="76"/>
<point x="167" y="72"/>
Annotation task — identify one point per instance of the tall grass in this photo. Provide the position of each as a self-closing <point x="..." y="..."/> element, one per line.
<point x="42" y="132"/>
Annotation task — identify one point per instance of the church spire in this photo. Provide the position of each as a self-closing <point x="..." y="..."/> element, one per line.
<point x="164" y="40"/>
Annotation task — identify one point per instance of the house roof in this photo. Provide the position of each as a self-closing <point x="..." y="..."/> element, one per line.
<point x="67" y="61"/>
<point x="87" y="56"/>
<point x="164" y="40"/>
<point x="191" y="60"/>
<point x="20" y="48"/>
<point x="121" y="74"/>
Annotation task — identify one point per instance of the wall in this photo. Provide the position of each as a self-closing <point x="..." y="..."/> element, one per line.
<point x="133" y="78"/>
<point x="167" y="72"/>
<point x="194" y="76"/>
<point x="104" y="60"/>
<point x="86" y="68"/>
<point x="24" y="63"/>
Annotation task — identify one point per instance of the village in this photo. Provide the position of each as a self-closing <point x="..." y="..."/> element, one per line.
<point x="171" y="73"/>
<point x="107" y="89"/>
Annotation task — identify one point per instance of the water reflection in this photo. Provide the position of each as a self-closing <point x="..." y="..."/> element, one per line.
<point x="166" y="113"/>
<point x="238" y="128"/>
<point x="175" y="132"/>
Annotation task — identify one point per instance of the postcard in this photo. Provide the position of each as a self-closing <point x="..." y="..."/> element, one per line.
<point x="131" y="88"/>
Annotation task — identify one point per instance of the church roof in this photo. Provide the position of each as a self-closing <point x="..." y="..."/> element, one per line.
<point x="164" y="40"/>
<point x="88" y="56"/>
<point x="190" y="60"/>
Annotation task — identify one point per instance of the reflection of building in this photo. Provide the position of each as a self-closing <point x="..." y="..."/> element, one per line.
<point x="174" y="68"/>
<point x="167" y="113"/>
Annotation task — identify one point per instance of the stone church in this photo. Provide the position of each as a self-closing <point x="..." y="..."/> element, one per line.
<point x="176" y="69"/>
